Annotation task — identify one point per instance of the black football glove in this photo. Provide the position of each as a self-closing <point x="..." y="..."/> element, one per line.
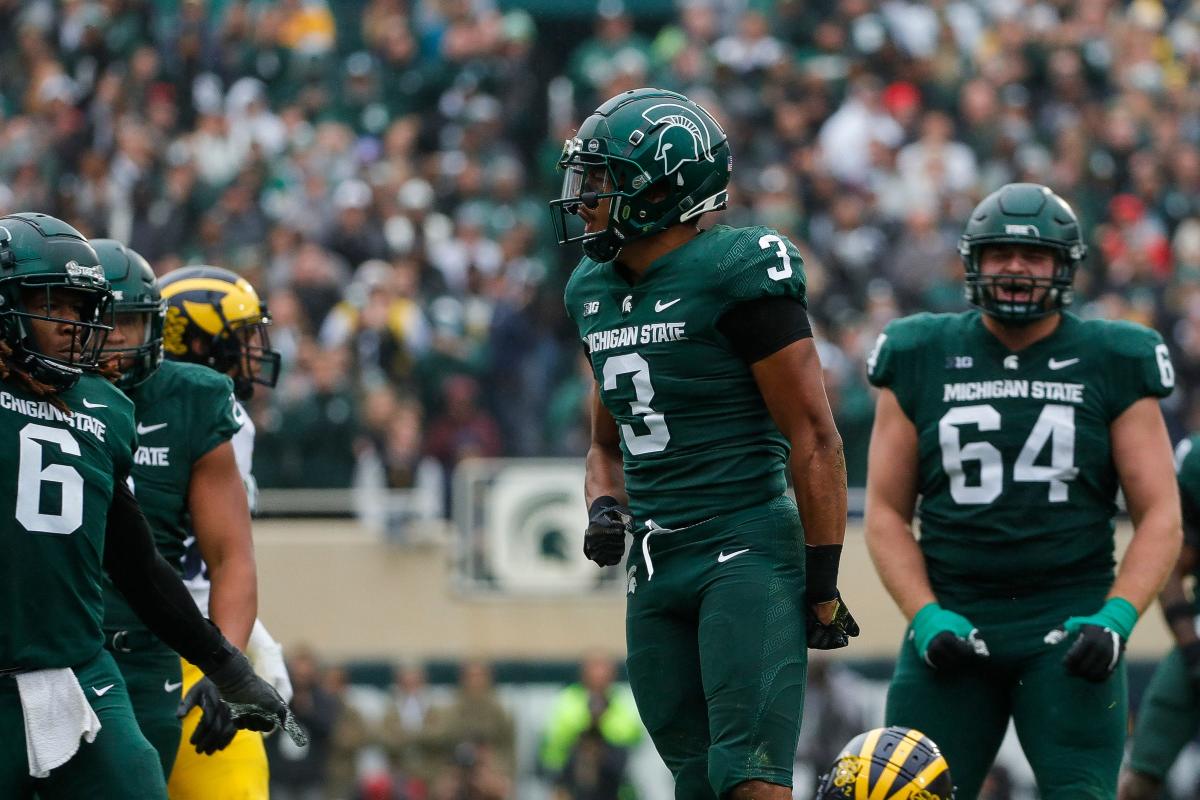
<point x="835" y="634"/>
<point x="1100" y="639"/>
<point x="253" y="703"/>
<point x="216" y="729"/>
<point x="820" y="577"/>
<point x="1095" y="653"/>
<point x="948" y="652"/>
<point x="604" y="540"/>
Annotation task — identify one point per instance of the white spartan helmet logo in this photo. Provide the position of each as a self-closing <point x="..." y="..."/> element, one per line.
<point x="686" y="137"/>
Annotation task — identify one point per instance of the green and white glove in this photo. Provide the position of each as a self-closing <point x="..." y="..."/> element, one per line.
<point x="1100" y="639"/>
<point x="946" y="640"/>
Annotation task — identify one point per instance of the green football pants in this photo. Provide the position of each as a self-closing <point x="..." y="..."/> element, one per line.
<point x="1167" y="719"/>
<point x="154" y="679"/>
<point x="119" y="765"/>
<point x="1072" y="731"/>
<point x="717" y="652"/>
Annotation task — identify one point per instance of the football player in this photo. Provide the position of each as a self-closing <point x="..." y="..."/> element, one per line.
<point x="186" y="479"/>
<point x="888" y="762"/>
<point x="1015" y="424"/>
<point x="71" y="515"/>
<point x="707" y="376"/>
<point x="1170" y="712"/>
<point x="216" y="322"/>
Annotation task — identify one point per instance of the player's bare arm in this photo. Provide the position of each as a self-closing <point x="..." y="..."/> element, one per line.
<point x="603" y="468"/>
<point x="609" y="518"/>
<point x="891" y="497"/>
<point x="794" y="391"/>
<point x="1142" y="455"/>
<point x="157" y="594"/>
<point x="221" y="520"/>
<point x="792" y="387"/>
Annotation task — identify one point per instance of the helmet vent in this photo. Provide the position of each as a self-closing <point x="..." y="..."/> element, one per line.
<point x="636" y="137"/>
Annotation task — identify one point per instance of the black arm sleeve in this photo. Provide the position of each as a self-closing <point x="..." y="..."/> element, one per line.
<point x="757" y="328"/>
<point x="154" y="591"/>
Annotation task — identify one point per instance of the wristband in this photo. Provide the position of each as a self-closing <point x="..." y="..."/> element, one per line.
<point x="821" y="571"/>
<point x="601" y="504"/>
<point x="1117" y="614"/>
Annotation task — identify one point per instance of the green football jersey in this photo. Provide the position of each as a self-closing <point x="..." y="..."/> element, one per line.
<point x="183" y="411"/>
<point x="56" y="487"/>
<point x="696" y="437"/>
<point x="1187" y="469"/>
<point x="1017" y="487"/>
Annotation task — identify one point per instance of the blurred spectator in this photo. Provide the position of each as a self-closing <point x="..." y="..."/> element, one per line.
<point x="848" y="134"/>
<point x="350" y="734"/>
<point x="310" y="439"/>
<point x="471" y="741"/>
<point x="355" y="235"/>
<point x="299" y="773"/>
<point x="464" y="429"/>
<point x="590" y="730"/>
<point x="404" y="730"/>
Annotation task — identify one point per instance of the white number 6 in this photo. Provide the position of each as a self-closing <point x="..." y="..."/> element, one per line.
<point x="779" y="273"/>
<point x="1166" y="370"/>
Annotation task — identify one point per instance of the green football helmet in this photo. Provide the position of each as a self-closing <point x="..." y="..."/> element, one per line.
<point x="1027" y="214"/>
<point x="888" y="763"/>
<point x="135" y="291"/>
<point x="661" y="158"/>
<point x="39" y="254"/>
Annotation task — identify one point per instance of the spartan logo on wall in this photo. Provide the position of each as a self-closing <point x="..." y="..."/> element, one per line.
<point x="686" y="137"/>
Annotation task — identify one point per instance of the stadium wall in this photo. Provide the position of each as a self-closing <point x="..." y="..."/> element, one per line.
<point x="350" y="593"/>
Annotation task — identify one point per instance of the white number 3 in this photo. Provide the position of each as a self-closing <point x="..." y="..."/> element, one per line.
<point x="784" y="271"/>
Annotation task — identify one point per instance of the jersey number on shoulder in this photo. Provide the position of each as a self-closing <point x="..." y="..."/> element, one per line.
<point x="784" y="270"/>
<point x="33" y="474"/>
<point x="638" y="443"/>
<point x="1055" y="425"/>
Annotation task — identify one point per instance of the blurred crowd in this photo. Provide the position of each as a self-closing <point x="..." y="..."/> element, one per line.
<point x="419" y="744"/>
<point x="379" y="169"/>
<point x="473" y="740"/>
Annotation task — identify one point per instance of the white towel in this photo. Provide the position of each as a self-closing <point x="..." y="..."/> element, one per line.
<point x="56" y="713"/>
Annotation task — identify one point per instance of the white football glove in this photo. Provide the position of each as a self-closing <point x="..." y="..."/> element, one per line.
<point x="267" y="657"/>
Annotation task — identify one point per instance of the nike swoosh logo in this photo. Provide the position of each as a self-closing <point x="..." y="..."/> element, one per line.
<point x="659" y="305"/>
<point x="721" y="559"/>
<point x="89" y="404"/>
<point x="103" y="691"/>
<point x="144" y="429"/>
<point x="170" y="687"/>
<point x="1060" y="364"/>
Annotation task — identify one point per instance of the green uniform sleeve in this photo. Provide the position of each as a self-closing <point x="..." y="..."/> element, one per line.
<point x="213" y="419"/>
<point x="761" y="262"/>
<point x="1187" y="466"/>
<point x="1138" y="366"/>
<point x="894" y="361"/>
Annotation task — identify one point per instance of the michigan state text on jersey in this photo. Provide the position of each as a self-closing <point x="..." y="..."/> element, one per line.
<point x="1006" y="432"/>
<point x="706" y="377"/>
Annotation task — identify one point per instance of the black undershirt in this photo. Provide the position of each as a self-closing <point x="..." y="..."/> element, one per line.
<point x="764" y="326"/>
